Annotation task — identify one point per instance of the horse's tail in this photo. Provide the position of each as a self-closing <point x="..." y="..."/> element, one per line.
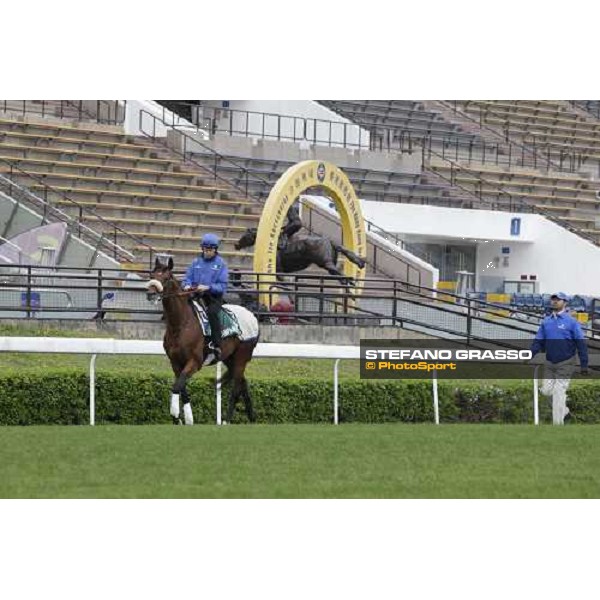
<point x="357" y="260"/>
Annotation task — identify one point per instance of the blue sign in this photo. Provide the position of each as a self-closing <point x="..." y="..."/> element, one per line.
<point x="35" y="300"/>
<point x="505" y="250"/>
<point x="515" y="226"/>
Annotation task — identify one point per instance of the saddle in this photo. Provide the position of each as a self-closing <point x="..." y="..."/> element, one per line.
<point x="229" y="323"/>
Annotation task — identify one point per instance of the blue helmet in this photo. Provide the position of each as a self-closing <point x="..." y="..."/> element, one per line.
<point x="209" y="240"/>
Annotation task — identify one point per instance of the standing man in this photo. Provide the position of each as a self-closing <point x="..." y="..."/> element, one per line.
<point x="560" y="337"/>
<point x="208" y="275"/>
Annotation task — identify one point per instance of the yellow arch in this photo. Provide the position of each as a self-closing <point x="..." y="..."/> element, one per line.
<point x="295" y="181"/>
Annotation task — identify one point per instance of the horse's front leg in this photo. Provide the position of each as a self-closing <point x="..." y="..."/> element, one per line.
<point x="188" y="415"/>
<point x="179" y="389"/>
<point x="333" y="270"/>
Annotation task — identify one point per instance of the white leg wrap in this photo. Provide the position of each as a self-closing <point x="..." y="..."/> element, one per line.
<point x="187" y="413"/>
<point x="559" y="401"/>
<point x="175" y="406"/>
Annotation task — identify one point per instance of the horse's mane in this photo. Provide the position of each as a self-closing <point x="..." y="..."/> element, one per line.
<point x="175" y="286"/>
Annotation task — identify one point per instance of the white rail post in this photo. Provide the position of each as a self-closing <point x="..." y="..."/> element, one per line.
<point x="436" y="405"/>
<point x="536" y="410"/>
<point x="93" y="390"/>
<point x="219" y="393"/>
<point x="335" y="392"/>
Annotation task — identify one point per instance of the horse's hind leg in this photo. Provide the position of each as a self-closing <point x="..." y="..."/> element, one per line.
<point x="333" y="270"/>
<point x="233" y="398"/>
<point x="357" y="260"/>
<point x="330" y="267"/>
<point x="248" y="401"/>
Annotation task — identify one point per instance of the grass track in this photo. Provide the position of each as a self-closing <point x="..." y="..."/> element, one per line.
<point x="301" y="461"/>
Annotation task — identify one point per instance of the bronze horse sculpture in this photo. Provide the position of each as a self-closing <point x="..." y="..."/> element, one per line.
<point x="187" y="347"/>
<point x="302" y="250"/>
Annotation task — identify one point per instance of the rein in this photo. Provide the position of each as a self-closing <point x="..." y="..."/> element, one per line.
<point x="175" y="294"/>
<point x="171" y="295"/>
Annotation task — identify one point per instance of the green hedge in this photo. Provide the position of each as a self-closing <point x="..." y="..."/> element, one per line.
<point x="61" y="397"/>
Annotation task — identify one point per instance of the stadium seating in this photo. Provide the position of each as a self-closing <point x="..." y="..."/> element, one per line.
<point x="402" y="115"/>
<point x="385" y="186"/>
<point x="551" y="124"/>
<point x="568" y="197"/>
<point x="127" y="181"/>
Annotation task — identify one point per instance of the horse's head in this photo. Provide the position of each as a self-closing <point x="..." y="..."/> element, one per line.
<point x="158" y="278"/>
<point x="248" y="238"/>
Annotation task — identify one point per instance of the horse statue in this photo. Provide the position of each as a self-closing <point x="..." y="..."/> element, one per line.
<point x="304" y="249"/>
<point x="186" y="343"/>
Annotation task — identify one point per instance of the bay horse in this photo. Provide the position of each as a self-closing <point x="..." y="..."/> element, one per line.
<point x="187" y="347"/>
<point x="302" y="250"/>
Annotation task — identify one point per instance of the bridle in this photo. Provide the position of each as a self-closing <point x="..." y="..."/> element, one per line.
<point x="159" y="295"/>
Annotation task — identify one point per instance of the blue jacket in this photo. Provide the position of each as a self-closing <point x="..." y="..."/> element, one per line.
<point x="560" y="336"/>
<point x="212" y="272"/>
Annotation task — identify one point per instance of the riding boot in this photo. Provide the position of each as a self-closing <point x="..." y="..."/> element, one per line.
<point x="213" y="307"/>
<point x="216" y="341"/>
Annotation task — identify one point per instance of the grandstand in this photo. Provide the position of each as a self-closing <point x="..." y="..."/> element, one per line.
<point x="103" y="177"/>
<point x="151" y="177"/>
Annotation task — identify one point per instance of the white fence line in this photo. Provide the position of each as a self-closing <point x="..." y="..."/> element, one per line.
<point x="95" y="346"/>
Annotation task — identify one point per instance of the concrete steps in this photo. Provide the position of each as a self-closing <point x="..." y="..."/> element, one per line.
<point x="149" y="191"/>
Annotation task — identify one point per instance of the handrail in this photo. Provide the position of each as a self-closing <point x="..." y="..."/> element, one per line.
<point x="458" y="138"/>
<point x="590" y="106"/>
<point x="99" y="105"/>
<point x="383" y="133"/>
<point x="239" y="278"/>
<point x="453" y="104"/>
<point x="325" y="288"/>
<point x="574" y="157"/>
<point x="375" y="128"/>
<point x="349" y="129"/>
<point x="20" y="250"/>
<point x="188" y="156"/>
<point x="406" y="135"/>
<point x="46" y="108"/>
<point x="113" y="247"/>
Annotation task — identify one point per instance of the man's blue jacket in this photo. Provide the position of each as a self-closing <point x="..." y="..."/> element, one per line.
<point x="211" y="272"/>
<point x="560" y="336"/>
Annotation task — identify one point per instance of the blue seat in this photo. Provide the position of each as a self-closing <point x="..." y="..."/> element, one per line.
<point x="546" y="298"/>
<point x="577" y="304"/>
<point x="519" y="300"/>
<point x="528" y="301"/>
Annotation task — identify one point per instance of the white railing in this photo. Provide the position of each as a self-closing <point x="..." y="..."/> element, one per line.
<point x="95" y="346"/>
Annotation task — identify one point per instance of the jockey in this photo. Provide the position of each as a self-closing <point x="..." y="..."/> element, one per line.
<point x="208" y="276"/>
<point x="293" y="225"/>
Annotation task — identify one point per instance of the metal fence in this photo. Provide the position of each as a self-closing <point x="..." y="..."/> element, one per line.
<point x="106" y="112"/>
<point x="14" y="184"/>
<point x="106" y="295"/>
